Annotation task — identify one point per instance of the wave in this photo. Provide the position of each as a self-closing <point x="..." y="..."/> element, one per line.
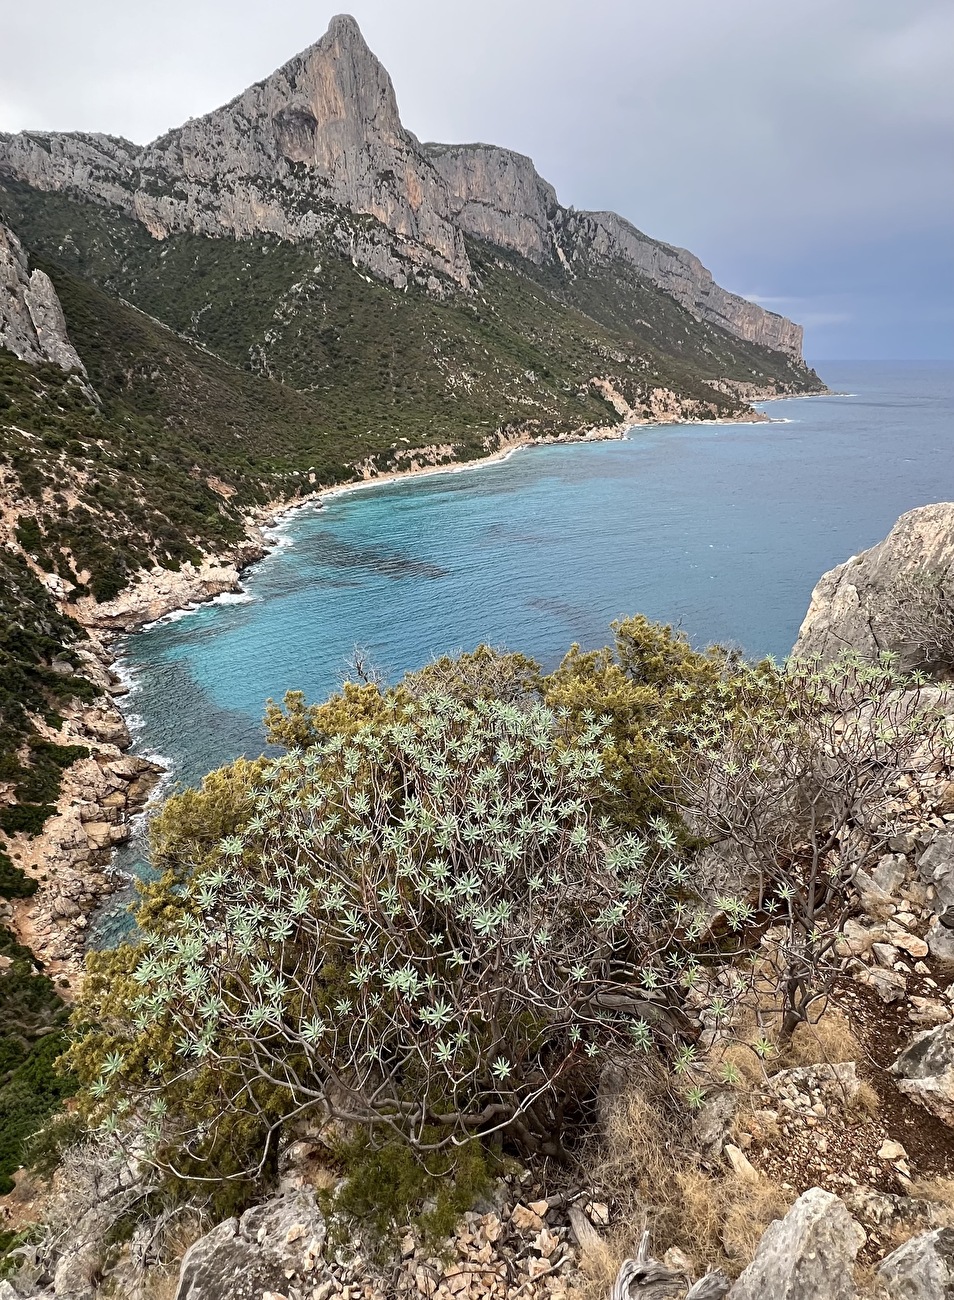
<point x="173" y="616"/>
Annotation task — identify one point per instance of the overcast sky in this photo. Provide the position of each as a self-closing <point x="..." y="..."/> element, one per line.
<point x="804" y="149"/>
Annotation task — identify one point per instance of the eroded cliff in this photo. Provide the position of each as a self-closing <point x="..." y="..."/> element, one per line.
<point x="32" y="324"/>
<point x="323" y="134"/>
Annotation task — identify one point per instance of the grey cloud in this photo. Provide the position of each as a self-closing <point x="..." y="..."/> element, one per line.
<point x="801" y="149"/>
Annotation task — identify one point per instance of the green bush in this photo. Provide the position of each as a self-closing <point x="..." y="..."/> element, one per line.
<point x="381" y="915"/>
<point x="14" y="883"/>
<point x="390" y="1186"/>
<point x="32" y="1039"/>
<point x="28" y="818"/>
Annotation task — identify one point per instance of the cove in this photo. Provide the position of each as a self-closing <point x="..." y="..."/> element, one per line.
<point x="722" y="530"/>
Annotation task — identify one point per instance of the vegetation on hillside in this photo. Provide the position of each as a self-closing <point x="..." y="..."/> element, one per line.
<point x="454" y="903"/>
<point x="222" y="375"/>
<point x="256" y="368"/>
<point x="33" y="1023"/>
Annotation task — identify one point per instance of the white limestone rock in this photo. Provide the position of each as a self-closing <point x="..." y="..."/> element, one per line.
<point x="844" y="615"/>
<point x="808" y="1255"/>
<point x="32" y="324"/>
<point x="925" y="1071"/>
<point x="921" y="1269"/>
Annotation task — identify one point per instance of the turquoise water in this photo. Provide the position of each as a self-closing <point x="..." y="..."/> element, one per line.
<point x="721" y="529"/>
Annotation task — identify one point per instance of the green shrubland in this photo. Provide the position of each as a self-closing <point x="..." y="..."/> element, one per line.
<point x="435" y="920"/>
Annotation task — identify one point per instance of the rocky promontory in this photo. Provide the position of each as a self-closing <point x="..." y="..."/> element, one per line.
<point x="853" y="606"/>
<point x="32" y="324"/>
<point x="71" y="856"/>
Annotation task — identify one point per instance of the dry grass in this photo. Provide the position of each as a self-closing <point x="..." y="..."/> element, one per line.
<point x="161" y="1281"/>
<point x="160" y="1285"/>
<point x="826" y="1040"/>
<point x="746" y="1208"/>
<point x="941" y="1192"/>
<point x="646" y="1167"/>
<point x="863" y="1104"/>
<point x="753" y="1052"/>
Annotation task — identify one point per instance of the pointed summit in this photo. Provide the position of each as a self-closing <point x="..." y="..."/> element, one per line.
<point x="344" y="27"/>
<point x="328" y="99"/>
<point x="322" y="129"/>
<point x="314" y="149"/>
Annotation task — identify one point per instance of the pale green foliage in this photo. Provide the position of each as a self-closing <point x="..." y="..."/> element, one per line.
<point x="424" y="928"/>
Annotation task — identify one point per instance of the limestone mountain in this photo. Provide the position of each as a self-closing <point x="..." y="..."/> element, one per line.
<point x="323" y="135"/>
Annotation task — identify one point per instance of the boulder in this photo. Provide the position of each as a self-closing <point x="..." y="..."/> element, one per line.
<point x="936" y="868"/>
<point x="940" y="942"/>
<point x="925" y="1071"/>
<point x="890" y="985"/>
<point x="275" y="1247"/>
<point x="712" y="1123"/>
<point x="890" y="873"/>
<point x="846" y="611"/>
<point x="921" y="1269"/>
<point x="808" y="1255"/>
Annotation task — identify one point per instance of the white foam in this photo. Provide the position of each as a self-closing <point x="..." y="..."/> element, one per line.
<point x="173" y="616"/>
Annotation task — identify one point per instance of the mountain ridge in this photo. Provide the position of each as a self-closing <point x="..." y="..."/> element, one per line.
<point x="324" y="131"/>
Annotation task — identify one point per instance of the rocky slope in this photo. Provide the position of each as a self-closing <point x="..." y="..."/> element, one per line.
<point x="32" y="324"/>
<point x="856" y="1139"/>
<point x="497" y="195"/>
<point x="853" y="605"/>
<point x="323" y="134"/>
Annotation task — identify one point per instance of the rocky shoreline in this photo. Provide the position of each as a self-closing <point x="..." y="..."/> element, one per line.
<point x="71" y="857"/>
<point x="100" y="795"/>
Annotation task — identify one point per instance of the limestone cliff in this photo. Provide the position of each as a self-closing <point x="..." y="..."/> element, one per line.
<point x="32" y="325"/>
<point x="847" y="612"/>
<point x="321" y="142"/>
<point x="498" y="196"/>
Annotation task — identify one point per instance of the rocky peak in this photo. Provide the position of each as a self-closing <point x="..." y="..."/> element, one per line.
<point x="32" y="325"/>
<point x="321" y="138"/>
<point x="312" y="111"/>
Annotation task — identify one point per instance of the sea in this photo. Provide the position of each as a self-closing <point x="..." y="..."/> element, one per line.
<point x="721" y="530"/>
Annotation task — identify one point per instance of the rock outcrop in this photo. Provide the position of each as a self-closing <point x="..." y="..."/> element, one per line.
<point x="847" y="610"/>
<point x="273" y="1249"/>
<point x="321" y="141"/>
<point x="921" y="1269"/>
<point x="925" y="1071"/>
<point x="497" y="195"/>
<point x="32" y="325"/>
<point x="808" y="1255"/>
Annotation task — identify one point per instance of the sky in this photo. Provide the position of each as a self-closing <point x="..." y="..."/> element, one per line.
<point x="803" y="149"/>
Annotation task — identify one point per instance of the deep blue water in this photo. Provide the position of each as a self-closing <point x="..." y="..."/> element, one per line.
<point x="721" y="529"/>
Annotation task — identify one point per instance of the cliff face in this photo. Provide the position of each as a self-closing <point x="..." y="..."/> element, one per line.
<point x="498" y="196"/>
<point x="322" y="137"/>
<point x="32" y="325"/>
<point x="323" y="132"/>
<point x="847" y="612"/>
